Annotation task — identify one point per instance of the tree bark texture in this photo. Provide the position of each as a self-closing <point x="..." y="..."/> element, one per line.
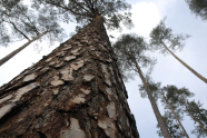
<point x="161" y="122"/>
<point x="13" y="53"/>
<point x="186" y="65"/>
<point x="74" y="92"/>
<point x="177" y="118"/>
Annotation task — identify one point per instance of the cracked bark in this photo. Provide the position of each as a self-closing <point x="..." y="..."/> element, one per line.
<point x="74" y="92"/>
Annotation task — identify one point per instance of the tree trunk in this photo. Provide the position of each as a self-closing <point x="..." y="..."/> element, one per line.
<point x="74" y="92"/>
<point x="184" y="64"/>
<point x="176" y="117"/>
<point x="163" y="126"/>
<point x="13" y="53"/>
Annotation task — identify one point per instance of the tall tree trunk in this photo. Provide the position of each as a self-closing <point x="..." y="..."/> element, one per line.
<point x="184" y="64"/>
<point x="74" y="92"/>
<point x="161" y="122"/>
<point x="13" y="53"/>
<point x="176" y="117"/>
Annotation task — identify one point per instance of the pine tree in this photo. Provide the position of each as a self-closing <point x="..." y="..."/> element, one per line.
<point x="76" y="91"/>
<point x="173" y="127"/>
<point x="19" y="22"/>
<point x="177" y="100"/>
<point x="161" y="36"/>
<point x="173" y="99"/>
<point x="198" y="114"/>
<point x="176" y="107"/>
<point x="84" y="11"/>
<point x="130" y="52"/>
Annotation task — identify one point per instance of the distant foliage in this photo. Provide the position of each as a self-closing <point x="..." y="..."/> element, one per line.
<point x="198" y="7"/>
<point x="163" y="35"/>
<point x="178" y="99"/>
<point x="153" y="87"/>
<point x="131" y="49"/>
<point x="19" y="21"/>
<point x="199" y="115"/>
<point x="173" y="127"/>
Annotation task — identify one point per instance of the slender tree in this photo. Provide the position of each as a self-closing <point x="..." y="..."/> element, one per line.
<point x="199" y="7"/>
<point x="174" y="98"/>
<point x="130" y="52"/>
<point x="198" y="114"/>
<point x="172" y="113"/>
<point x="163" y="39"/>
<point x="176" y="105"/>
<point x="19" y="22"/>
<point x="177" y="101"/>
<point x="76" y="91"/>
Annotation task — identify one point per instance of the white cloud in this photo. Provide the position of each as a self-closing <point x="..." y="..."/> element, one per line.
<point x="145" y="16"/>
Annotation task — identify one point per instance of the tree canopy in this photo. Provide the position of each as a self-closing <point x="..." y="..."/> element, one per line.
<point x="162" y="34"/>
<point x="83" y="11"/>
<point x="130" y="48"/>
<point x="199" y="7"/>
<point x="198" y="114"/>
<point x="19" y="21"/>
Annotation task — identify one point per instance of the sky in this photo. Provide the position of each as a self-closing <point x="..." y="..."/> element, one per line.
<point x="146" y="14"/>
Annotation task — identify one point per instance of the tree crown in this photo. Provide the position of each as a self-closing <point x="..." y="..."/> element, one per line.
<point x="199" y="7"/>
<point x="20" y="21"/>
<point x="176" y="96"/>
<point x="195" y="110"/>
<point x="85" y="11"/>
<point x="163" y="35"/>
<point x="131" y="49"/>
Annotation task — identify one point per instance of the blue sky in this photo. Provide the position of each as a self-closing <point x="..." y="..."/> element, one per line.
<point x="146" y="14"/>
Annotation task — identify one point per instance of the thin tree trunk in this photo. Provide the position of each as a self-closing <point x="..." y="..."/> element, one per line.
<point x="13" y="53"/>
<point x="176" y="117"/>
<point x="162" y="124"/>
<point x="74" y="92"/>
<point x="184" y="64"/>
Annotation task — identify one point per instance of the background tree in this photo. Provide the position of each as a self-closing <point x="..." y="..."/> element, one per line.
<point x="172" y="112"/>
<point x="19" y="21"/>
<point x="130" y="51"/>
<point x="176" y="100"/>
<point x="163" y="39"/>
<point x="173" y="127"/>
<point x="173" y="99"/>
<point x="198" y="114"/>
<point x="198" y="7"/>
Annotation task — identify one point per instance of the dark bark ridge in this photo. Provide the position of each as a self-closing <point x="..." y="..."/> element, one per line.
<point x="76" y="91"/>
